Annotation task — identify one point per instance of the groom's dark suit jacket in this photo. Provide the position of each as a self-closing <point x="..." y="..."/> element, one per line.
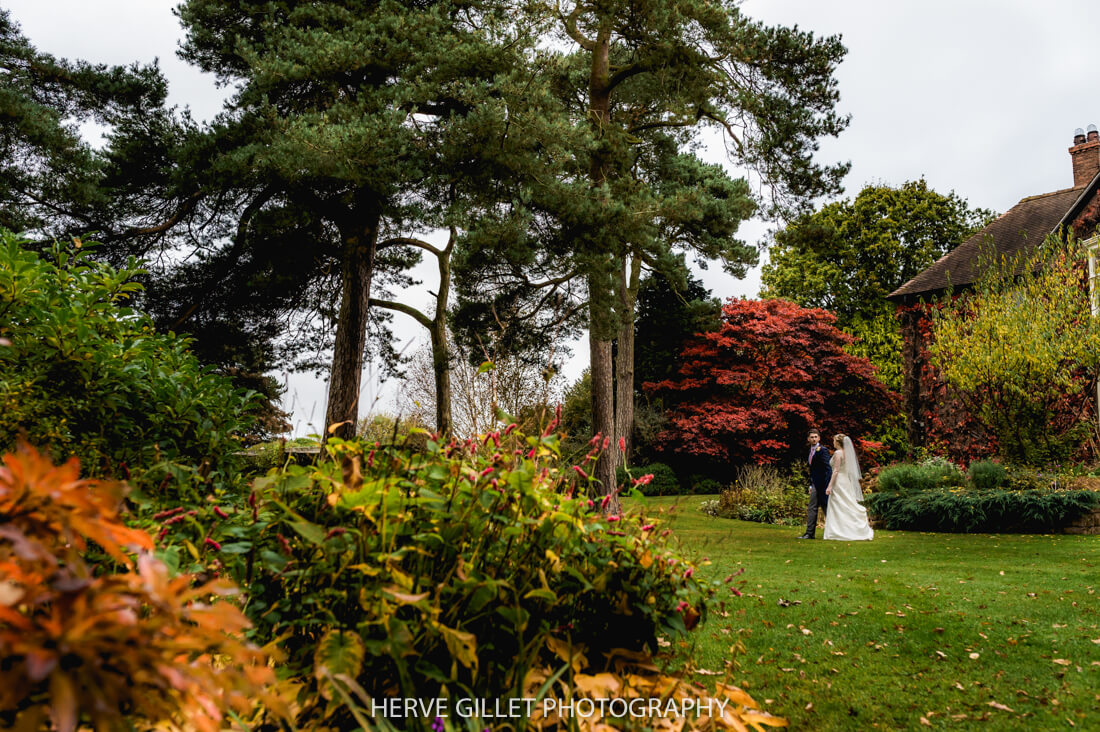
<point x="820" y="470"/>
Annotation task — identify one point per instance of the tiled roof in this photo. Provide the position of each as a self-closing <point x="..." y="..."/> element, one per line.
<point x="1022" y="227"/>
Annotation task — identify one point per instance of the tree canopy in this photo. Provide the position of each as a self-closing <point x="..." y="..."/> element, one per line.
<point x="1022" y="349"/>
<point x="749" y="392"/>
<point x="849" y="255"/>
<point x="51" y="178"/>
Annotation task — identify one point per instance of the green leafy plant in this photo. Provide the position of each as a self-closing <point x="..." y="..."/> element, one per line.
<point x="84" y="374"/>
<point x="763" y="494"/>
<point x="985" y="475"/>
<point x="1022" y="349"/>
<point x="958" y="510"/>
<point x="663" y="483"/>
<point x="455" y="570"/>
<point x="909" y="477"/>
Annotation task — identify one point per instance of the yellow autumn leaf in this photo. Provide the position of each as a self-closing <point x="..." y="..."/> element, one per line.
<point x="602" y="685"/>
<point x="405" y="598"/>
<point x="461" y="644"/>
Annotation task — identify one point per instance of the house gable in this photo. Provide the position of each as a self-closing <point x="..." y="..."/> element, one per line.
<point x="1021" y="228"/>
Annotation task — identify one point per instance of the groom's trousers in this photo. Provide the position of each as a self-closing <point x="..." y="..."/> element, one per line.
<point x="818" y="499"/>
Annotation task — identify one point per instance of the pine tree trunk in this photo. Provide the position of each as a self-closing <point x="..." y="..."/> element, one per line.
<point x="351" y="332"/>
<point x="441" y="365"/>
<point x="624" y="362"/>
<point x="603" y="411"/>
<point x="624" y="375"/>
<point x="601" y="365"/>
<point x="441" y="352"/>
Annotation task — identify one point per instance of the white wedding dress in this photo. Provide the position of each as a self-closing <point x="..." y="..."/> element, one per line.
<point x="846" y="518"/>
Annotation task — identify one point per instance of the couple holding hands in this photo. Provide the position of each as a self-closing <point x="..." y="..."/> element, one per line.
<point x="834" y="488"/>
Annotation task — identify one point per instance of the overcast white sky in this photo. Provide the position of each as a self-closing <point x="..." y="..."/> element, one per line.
<point x="977" y="96"/>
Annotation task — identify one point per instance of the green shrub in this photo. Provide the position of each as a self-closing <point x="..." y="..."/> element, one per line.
<point x="762" y="494"/>
<point x="986" y="475"/>
<point x="453" y="571"/>
<point x="943" y="471"/>
<point x="908" y="478"/>
<point x="710" y="507"/>
<point x="1027" y="479"/>
<point x="705" y="486"/>
<point x="787" y="508"/>
<point x="664" y="482"/>
<point x="83" y="374"/>
<point x="963" y="511"/>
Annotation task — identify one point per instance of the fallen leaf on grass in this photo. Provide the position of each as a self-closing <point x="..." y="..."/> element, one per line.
<point x="706" y="672"/>
<point x="1002" y="707"/>
<point x="975" y="656"/>
<point x="925" y="722"/>
<point x="1061" y="661"/>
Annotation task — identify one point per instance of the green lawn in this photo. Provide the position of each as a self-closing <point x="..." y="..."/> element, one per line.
<point x="960" y="631"/>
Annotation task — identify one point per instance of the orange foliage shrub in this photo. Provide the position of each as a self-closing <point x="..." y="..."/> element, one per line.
<point x="79" y="647"/>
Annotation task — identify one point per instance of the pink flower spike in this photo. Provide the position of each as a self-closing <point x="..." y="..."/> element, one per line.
<point x="622" y="444"/>
<point x="595" y="440"/>
<point x="509" y="428"/>
<point x="606" y="442"/>
<point x="485" y="472"/>
<point x="648" y="527"/>
<point x="210" y="542"/>
<point x="591" y="503"/>
<point x="580" y="472"/>
<point x="735" y="591"/>
<point x="531" y="453"/>
<point x="606" y="500"/>
<point x="220" y="513"/>
<point x="613" y="518"/>
<point x="644" y="480"/>
<point x="688" y="572"/>
<point x="682" y="606"/>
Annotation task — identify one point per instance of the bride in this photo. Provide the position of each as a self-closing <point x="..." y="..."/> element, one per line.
<point x="846" y="518"/>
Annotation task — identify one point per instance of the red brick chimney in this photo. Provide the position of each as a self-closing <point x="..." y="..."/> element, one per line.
<point x="1086" y="155"/>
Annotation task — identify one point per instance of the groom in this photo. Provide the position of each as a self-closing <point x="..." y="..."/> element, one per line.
<point x="820" y="473"/>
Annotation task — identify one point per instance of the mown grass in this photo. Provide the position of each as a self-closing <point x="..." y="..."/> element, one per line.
<point x="908" y="631"/>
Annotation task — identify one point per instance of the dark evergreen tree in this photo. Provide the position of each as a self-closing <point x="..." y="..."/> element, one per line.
<point x="51" y="179"/>
<point x="331" y="152"/>
<point x="643" y="81"/>
<point x="669" y="314"/>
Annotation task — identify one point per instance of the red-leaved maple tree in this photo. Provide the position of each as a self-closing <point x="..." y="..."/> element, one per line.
<point x="749" y="392"/>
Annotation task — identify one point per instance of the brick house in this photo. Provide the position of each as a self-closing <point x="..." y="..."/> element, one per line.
<point x="931" y="416"/>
